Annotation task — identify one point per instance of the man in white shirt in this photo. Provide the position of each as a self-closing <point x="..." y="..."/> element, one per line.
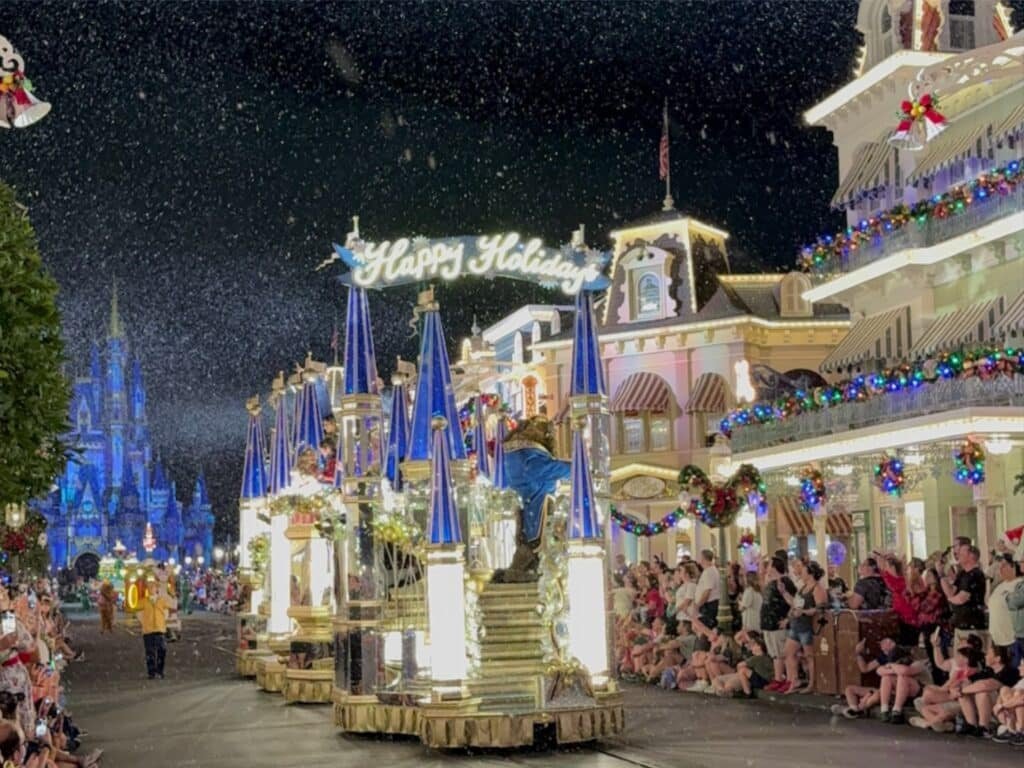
<point x="708" y="590"/>
<point x="1000" y="620"/>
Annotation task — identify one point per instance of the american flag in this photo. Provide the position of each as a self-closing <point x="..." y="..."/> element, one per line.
<point x="663" y="148"/>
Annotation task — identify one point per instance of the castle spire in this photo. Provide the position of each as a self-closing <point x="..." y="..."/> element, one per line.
<point x="435" y="394"/>
<point x="254" y="472"/>
<point x="443" y="522"/>
<point x="582" y="507"/>
<point x="360" y="362"/>
<point x="499" y="480"/>
<point x="483" y="463"/>
<point x="309" y="431"/>
<point x="587" y="372"/>
<point x="398" y="432"/>
<point x="280" y="458"/>
<point x="116" y="329"/>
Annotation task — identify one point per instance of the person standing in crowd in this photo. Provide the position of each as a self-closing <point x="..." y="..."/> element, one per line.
<point x="1000" y="618"/>
<point x="870" y="592"/>
<point x="804" y="606"/>
<point x="892" y="575"/>
<point x="621" y="568"/>
<point x="709" y="590"/>
<point x="774" y="612"/>
<point x="153" y="617"/>
<point x="1015" y="602"/>
<point x="966" y="595"/>
<point x="750" y="604"/>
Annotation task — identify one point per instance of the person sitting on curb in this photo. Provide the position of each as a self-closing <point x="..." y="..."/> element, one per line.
<point x="860" y="699"/>
<point x="1009" y="713"/>
<point x="978" y="697"/>
<point x="970" y="664"/>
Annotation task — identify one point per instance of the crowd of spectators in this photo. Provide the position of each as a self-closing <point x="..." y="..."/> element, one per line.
<point x="36" y="645"/>
<point x="953" y="662"/>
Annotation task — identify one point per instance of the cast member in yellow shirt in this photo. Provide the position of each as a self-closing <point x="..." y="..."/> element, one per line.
<point x="153" y="617"/>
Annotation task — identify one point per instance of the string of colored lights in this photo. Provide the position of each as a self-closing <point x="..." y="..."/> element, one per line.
<point x="822" y="255"/>
<point x="986" y="363"/>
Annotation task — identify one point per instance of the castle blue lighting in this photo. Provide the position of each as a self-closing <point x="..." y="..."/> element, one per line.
<point x="254" y="472"/>
<point x="398" y="434"/>
<point x="112" y="487"/>
<point x="360" y="362"/>
<point x="483" y="464"/>
<point x="582" y="509"/>
<point x="280" y="456"/>
<point x="443" y="523"/>
<point x="435" y="394"/>
<point x="587" y="373"/>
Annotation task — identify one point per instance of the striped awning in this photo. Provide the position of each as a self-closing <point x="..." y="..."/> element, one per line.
<point x="789" y="514"/>
<point x="1011" y="326"/>
<point x="971" y="135"/>
<point x="885" y="336"/>
<point x="866" y="175"/>
<point x="642" y="392"/>
<point x="973" y="324"/>
<point x="708" y="394"/>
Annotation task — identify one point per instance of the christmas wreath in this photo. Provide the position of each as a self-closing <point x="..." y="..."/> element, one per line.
<point x="812" y="489"/>
<point x="889" y="477"/>
<point x="969" y="463"/>
<point x="714" y="505"/>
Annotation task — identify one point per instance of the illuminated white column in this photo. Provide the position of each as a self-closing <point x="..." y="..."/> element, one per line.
<point x="446" y="614"/>
<point x="280" y="564"/>
<point x="588" y="634"/>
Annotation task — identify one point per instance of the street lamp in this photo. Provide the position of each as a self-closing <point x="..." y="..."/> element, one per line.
<point x="719" y="466"/>
<point x="199" y="562"/>
<point x="14" y="515"/>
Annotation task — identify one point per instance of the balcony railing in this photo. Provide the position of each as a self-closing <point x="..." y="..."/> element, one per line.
<point x="929" y="399"/>
<point x="934" y="231"/>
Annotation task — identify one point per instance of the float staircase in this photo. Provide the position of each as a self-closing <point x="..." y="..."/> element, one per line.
<point x="510" y="652"/>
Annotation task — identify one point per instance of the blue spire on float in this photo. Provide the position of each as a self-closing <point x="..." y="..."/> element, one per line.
<point x="254" y="472"/>
<point x="443" y="522"/>
<point x="499" y="479"/>
<point x="483" y="462"/>
<point x="360" y="362"/>
<point x="398" y="433"/>
<point x="280" y="456"/>
<point x="310" y="429"/>
<point x="582" y="509"/>
<point x="435" y="394"/>
<point x="587" y="372"/>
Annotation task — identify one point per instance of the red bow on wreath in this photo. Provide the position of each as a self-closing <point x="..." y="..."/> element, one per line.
<point x="915" y="114"/>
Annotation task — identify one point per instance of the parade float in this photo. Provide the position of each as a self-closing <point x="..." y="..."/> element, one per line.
<point x="465" y="570"/>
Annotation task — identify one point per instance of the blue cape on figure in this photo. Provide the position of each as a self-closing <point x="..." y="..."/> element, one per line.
<point x="533" y="473"/>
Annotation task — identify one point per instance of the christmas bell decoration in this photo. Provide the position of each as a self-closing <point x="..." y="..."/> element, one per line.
<point x="19" y="107"/>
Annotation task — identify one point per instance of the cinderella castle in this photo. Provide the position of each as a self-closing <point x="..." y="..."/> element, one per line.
<point x="113" y="488"/>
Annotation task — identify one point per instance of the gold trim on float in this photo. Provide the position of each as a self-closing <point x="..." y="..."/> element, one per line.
<point x="308" y="686"/>
<point x="455" y="727"/>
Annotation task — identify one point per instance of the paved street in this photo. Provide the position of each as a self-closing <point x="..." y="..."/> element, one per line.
<point x="201" y="715"/>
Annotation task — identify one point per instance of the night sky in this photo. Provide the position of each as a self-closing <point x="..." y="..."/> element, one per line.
<point x="206" y="155"/>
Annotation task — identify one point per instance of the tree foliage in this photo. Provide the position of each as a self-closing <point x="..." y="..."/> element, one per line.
<point x="33" y="391"/>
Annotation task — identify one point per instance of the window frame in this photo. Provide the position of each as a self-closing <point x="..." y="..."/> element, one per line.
<point x="647" y="277"/>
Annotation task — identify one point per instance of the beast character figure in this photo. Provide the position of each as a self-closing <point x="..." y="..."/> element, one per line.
<point x="532" y="470"/>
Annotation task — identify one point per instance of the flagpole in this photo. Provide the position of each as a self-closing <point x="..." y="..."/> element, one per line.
<point x="668" y="203"/>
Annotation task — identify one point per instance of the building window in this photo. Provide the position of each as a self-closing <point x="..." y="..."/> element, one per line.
<point x="84" y="418"/>
<point x="914" y="511"/>
<point x="648" y="295"/>
<point x="632" y="434"/>
<point x="961" y="24"/>
<point x="791" y="300"/>
<point x="661" y="438"/>
<point x="530" y="396"/>
<point x="517" y="348"/>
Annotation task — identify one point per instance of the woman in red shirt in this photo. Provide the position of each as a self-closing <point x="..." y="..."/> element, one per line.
<point x="654" y="600"/>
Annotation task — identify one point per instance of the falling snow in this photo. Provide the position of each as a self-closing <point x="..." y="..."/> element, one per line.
<point x="206" y="155"/>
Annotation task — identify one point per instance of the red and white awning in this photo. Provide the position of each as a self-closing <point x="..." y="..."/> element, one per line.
<point x="642" y="392"/>
<point x="709" y="395"/>
<point x="790" y="516"/>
